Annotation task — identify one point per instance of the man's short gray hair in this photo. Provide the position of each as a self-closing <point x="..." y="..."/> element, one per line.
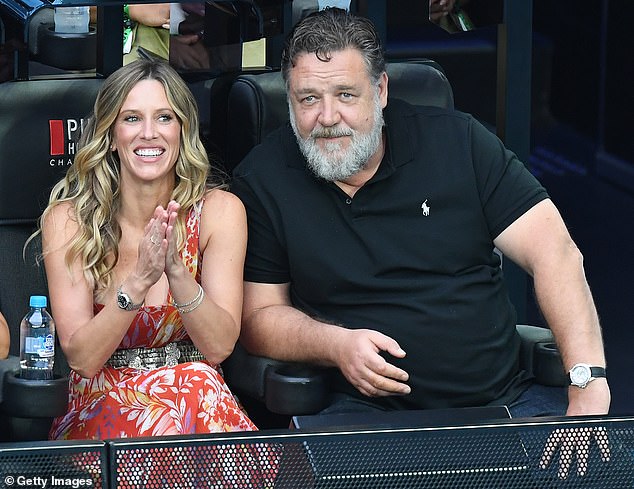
<point x="331" y="30"/>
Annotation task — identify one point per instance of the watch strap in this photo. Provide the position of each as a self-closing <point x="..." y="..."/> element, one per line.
<point x="597" y="372"/>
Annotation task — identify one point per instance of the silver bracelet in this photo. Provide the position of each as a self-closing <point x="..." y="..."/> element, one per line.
<point x="193" y="304"/>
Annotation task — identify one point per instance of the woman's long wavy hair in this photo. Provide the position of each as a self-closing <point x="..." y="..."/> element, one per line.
<point x="91" y="184"/>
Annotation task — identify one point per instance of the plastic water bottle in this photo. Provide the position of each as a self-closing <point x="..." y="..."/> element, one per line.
<point x="37" y="341"/>
<point x="72" y="20"/>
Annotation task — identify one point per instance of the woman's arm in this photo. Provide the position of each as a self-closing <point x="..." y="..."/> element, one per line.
<point x="151" y="14"/>
<point x="87" y="339"/>
<point x="214" y="326"/>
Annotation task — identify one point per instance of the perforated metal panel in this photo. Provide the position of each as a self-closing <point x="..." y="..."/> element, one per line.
<point x="509" y="455"/>
<point x="187" y="464"/>
<point x="53" y="464"/>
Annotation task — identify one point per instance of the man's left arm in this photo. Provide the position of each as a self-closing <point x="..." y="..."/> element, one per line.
<point x="539" y="242"/>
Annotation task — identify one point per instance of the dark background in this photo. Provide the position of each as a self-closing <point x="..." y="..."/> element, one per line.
<point x="582" y="147"/>
<point x="591" y="104"/>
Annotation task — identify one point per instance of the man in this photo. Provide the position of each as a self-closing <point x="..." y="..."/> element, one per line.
<point x="372" y="229"/>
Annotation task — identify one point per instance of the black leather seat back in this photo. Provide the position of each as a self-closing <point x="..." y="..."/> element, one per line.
<point x="257" y="102"/>
<point x="40" y="123"/>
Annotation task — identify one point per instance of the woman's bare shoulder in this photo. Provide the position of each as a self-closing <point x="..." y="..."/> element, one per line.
<point x="222" y="203"/>
<point x="60" y="219"/>
<point x="223" y="215"/>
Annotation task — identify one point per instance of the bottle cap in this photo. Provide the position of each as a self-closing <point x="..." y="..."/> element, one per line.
<point x="37" y="301"/>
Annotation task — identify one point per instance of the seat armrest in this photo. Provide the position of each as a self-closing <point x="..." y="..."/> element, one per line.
<point x="285" y="388"/>
<point x="246" y="373"/>
<point x="540" y="357"/>
<point x="31" y="398"/>
<point x="11" y="364"/>
<point x="297" y="389"/>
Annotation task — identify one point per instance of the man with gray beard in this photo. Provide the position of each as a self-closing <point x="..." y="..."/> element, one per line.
<point x="372" y="229"/>
<point x="333" y="162"/>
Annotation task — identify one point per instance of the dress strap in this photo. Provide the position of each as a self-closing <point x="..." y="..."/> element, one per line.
<point x="191" y="252"/>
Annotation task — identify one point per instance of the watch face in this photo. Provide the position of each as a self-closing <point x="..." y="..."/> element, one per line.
<point x="580" y="375"/>
<point x="123" y="300"/>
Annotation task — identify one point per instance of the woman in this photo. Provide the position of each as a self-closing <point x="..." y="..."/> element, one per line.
<point x="144" y="264"/>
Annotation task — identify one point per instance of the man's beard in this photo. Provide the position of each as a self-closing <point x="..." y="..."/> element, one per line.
<point x="333" y="163"/>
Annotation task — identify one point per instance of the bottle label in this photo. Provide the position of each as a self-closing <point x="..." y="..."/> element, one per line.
<point x="43" y="346"/>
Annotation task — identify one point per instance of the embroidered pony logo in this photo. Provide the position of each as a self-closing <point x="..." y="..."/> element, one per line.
<point x="425" y="208"/>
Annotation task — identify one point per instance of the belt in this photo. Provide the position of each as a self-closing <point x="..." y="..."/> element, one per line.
<point x="151" y="358"/>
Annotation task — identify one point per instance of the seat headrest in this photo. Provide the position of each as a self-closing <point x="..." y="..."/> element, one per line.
<point x="419" y="83"/>
<point x="257" y="102"/>
<point x="40" y="125"/>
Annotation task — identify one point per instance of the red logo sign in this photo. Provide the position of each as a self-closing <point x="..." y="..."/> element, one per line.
<point x="56" y="129"/>
<point x="64" y="134"/>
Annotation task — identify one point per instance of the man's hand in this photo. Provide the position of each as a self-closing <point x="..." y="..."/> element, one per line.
<point x="359" y="360"/>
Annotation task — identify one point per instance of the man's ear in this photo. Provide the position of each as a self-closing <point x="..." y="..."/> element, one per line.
<point x="383" y="89"/>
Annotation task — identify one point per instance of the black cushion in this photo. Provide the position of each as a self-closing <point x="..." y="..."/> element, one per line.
<point x="41" y="120"/>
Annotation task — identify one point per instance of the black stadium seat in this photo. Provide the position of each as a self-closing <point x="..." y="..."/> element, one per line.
<point x="41" y="121"/>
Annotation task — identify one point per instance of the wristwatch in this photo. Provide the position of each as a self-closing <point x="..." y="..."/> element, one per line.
<point x="124" y="302"/>
<point x="581" y="374"/>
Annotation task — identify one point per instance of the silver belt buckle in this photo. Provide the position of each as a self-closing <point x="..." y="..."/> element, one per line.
<point x="134" y="359"/>
<point x="172" y="354"/>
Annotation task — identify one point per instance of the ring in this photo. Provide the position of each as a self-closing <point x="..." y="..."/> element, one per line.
<point x="153" y="240"/>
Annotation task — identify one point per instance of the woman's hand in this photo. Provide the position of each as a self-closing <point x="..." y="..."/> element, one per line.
<point x="153" y="248"/>
<point x="173" y="261"/>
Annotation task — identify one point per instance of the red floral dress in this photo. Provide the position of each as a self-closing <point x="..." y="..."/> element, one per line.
<point x="126" y="402"/>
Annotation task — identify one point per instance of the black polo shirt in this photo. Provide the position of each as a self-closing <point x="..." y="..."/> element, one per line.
<point x="411" y="255"/>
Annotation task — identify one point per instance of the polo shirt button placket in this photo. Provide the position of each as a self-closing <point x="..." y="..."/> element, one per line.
<point x="348" y="201"/>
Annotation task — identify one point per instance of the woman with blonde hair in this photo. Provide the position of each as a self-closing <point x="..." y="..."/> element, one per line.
<point x="144" y="261"/>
